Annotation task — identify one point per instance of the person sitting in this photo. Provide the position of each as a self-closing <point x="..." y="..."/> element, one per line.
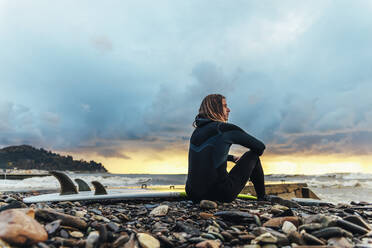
<point x="208" y="155"/>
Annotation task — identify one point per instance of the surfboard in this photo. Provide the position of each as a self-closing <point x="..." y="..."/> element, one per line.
<point x="69" y="192"/>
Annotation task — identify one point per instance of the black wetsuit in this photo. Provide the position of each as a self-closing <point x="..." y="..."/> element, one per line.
<point x="208" y="155"/>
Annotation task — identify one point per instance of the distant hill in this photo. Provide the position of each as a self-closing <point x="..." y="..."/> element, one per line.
<point x="27" y="157"/>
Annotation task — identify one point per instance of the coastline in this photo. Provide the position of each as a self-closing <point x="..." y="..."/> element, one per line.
<point x="181" y="223"/>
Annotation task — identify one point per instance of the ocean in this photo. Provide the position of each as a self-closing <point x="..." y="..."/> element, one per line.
<point x="332" y="187"/>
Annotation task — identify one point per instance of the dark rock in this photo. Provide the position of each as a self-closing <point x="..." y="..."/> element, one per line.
<point x="123" y="238"/>
<point x="311" y="240"/>
<point x="66" y="220"/>
<point x="64" y="234"/>
<point x="12" y="205"/>
<point x="165" y="241"/>
<point x="330" y="232"/>
<point x="347" y="225"/>
<point x="236" y="216"/>
<point x="358" y="221"/>
<point x="113" y="227"/>
<point x="187" y="229"/>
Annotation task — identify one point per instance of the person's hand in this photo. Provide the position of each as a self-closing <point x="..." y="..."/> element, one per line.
<point x="236" y="159"/>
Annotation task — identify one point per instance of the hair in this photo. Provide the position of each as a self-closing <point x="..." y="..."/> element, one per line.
<point x="211" y="108"/>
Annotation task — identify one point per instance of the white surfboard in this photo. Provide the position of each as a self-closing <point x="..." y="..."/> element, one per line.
<point x="124" y="194"/>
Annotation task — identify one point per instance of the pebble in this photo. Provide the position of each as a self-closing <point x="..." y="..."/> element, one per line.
<point x="161" y="210"/>
<point x="76" y="234"/>
<point x="18" y="228"/>
<point x="208" y="244"/>
<point x="265" y="238"/>
<point x="147" y="241"/>
<point x="92" y="239"/>
<point x="206" y="204"/>
<point x="288" y="227"/>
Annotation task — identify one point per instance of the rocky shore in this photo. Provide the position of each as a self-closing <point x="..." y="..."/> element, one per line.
<point x="180" y="223"/>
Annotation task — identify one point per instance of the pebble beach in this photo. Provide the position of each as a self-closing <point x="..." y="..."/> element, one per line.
<point x="181" y="223"/>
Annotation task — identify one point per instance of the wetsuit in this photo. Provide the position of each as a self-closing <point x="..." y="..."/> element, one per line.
<point x="208" y="155"/>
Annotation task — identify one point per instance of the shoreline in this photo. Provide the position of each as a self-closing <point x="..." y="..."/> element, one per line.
<point x="181" y="223"/>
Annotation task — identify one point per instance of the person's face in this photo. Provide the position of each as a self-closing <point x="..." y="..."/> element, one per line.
<point x="225" y="109"/>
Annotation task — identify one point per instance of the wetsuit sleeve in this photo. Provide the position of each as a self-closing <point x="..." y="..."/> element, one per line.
<point x="230" y="158"/>
<point x="235" y="135"/>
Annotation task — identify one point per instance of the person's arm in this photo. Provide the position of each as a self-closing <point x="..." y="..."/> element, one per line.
<point x="235" y="135"/>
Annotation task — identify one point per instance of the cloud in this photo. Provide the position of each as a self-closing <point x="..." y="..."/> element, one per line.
<point x="111" y="153"/>
<point x="296" y="75"/>
<point x="102" y="43"/>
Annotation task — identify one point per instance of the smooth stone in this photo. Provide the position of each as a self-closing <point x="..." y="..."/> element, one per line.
<point x="132" y="243"/>
<point x="349" y="226"/>
<point x="62" y="242"/>
<point x="212" y="229"/>
<point x="318" y="218"/>
<point x="227" y="235"/>
<point x="80" y="214"/>
<point x="113" y="227"/>
<point x="64" y="234"/>
<point x="236" y="216"/>
<point x="76" y="234"/>
<point x="204" y="215"/>
<point x="358" y="221"/>
<point x="161" y="210"/>
<point x="67" y="220"/>
<point x="269" y="246"/>
<point x="311" y="240"/>
<point x="310" y="227"/>
<point x="13" y="205"/>
<point x="187" y="228"/>
<point x="278" y="222"/>
<point x="288" y="227"/>
<point x="207" y="236"/>
<point x="330" y="232"/>
<point x="208" y="244"/>
<point x="147" y="241"/>
<point x="196" y="239"/>
<point x="101" y="218"/>
<point x="339" y="242"/>
<point x="165" y="242"/>
<point x="251" y="246"/>
<point x="95" y="211"/>
<point x="218" y="236"/>
<point x="92" y="239"/>
<point x="53" y="226"/>
<point x="123" y="238"/>
<point x="17" y="227"/>
<point x="206" y="204"/>
<point x="295" y="237"/>
<point x="265" y="238"/>
<point x="280" y="207"/>
<point x="246" y="237"/>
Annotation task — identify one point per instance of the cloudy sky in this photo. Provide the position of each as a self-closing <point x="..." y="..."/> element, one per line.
<point x="120" y="82"/>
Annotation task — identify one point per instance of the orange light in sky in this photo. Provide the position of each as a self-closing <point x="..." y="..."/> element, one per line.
<point x="173" y="162"/>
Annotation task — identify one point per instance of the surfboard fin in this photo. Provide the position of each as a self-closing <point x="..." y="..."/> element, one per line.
<point x="67" y="185"/>
<point x="83" y="186"/>
<point x="99" y="189"/>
